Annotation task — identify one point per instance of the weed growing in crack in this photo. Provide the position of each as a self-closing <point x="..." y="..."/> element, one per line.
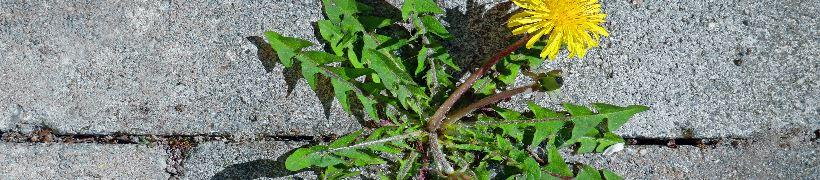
<point x="398" y="73"/>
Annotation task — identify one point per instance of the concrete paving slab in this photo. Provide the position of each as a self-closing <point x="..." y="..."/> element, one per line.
<point x="160" y="67"/>
<point x="81" y="161"/>
<point x="714" y="68"/>
<point x="257" y="160"/>
<point x="788" y="156"/>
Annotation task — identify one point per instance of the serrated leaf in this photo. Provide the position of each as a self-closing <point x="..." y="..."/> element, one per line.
<point x="309" y="70"/>
<point x="508" y="71"/>
<point x="484" y="86"/>
<point x="584" y="126"/>
<point x="426" y="6"/>
<point x="616" y="116"/>
<point x="340" y="90"/>
<point x="556" y="163"/>
<point x="286" y="47"/>
<point x="440" y="53"/>
<point x="419" y="6"/>
<point x="434" y="26"/>
<point x="420" y="59"/>
<point x="369" y="105"/>
<point x="513" y="130"/>
<point x="577" y="110"/>
<point x="588" y="172"/>
<point x="588" y="145"/>
<point x="405" y="165"/>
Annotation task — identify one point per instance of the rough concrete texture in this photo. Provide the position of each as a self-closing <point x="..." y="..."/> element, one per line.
<point x="257" y="160"/>
<point x="714" y="68"/>
<point x="792" y="155"/>
<point x="81" y="161"/>
<point x="158" y="67"/>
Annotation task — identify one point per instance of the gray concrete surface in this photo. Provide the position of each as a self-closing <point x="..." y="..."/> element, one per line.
<point x="159" y="67"/>
<point x="81" y="161"/>
<point x="169" y="67"/>
<point x="791" y="155"/>
<point x="257" y="160"/>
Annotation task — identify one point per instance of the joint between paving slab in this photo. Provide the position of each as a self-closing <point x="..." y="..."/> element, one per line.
<point x="45" y="135"/>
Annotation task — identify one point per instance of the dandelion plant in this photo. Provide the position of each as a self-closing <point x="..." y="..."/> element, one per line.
<point x="398" y="73"/>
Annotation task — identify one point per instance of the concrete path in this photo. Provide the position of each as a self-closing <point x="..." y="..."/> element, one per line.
<point x="737" y="69"/>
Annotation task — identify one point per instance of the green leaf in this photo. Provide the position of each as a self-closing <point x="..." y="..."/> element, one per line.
<point x="542" y="112"/>
<point x="434" y="25"/>
<point x="347" y="7"/>
<point x="352" y="24"/>
<point x="306" y="157"/>
<point x="332" y="172"/>
<point x="373" y="22"/>
<point x="513" y="130"/>
<point x="329" y="32"/>
<point x="609" y="175"/>
<point x="482" y="172"/>
<point x="360" y="158"/>
<point x="332" y="11"/>
<point x="420" y="59"/>
<point x="556" y="165"/>
<point x="419" y="6"/>
<point x="616" y="116"/>
<point x="584" y="126"/>
<point x="345" y="140"/>
<point x="286" y="47"/>
<point x="588" y="172"/>
<point x="298" y="160"/>
<point x="426" y="6"/>
<point x="550" y="82"/>
<point x="484" y="86"/>
<point x="608" y="140"/>
<point x="369" y="105"/>
<point x="508" y="71"/>
<point x="577" y="110"/>
<point x="309" y="70"/>
<point x="405" y="165"/>
<point x="588" y="145"/>
<point x="340" y="90"/>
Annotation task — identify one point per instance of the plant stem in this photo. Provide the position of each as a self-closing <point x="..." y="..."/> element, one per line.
<point x="458" y="114"/>
<point x="434" y="123"/>
<point x="442" y="164"/>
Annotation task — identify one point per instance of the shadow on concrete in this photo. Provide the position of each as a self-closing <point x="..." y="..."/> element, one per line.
<point x="478" y="32"/>
<point x="260" y="168"/>
<point x="268" y="58"/>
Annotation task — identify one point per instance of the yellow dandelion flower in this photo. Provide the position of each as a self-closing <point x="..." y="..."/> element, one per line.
<point x="568" y="22"/>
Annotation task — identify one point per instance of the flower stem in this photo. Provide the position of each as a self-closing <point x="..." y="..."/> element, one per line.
<point x="458" y="114"/>
<point x="434" y="123"/>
